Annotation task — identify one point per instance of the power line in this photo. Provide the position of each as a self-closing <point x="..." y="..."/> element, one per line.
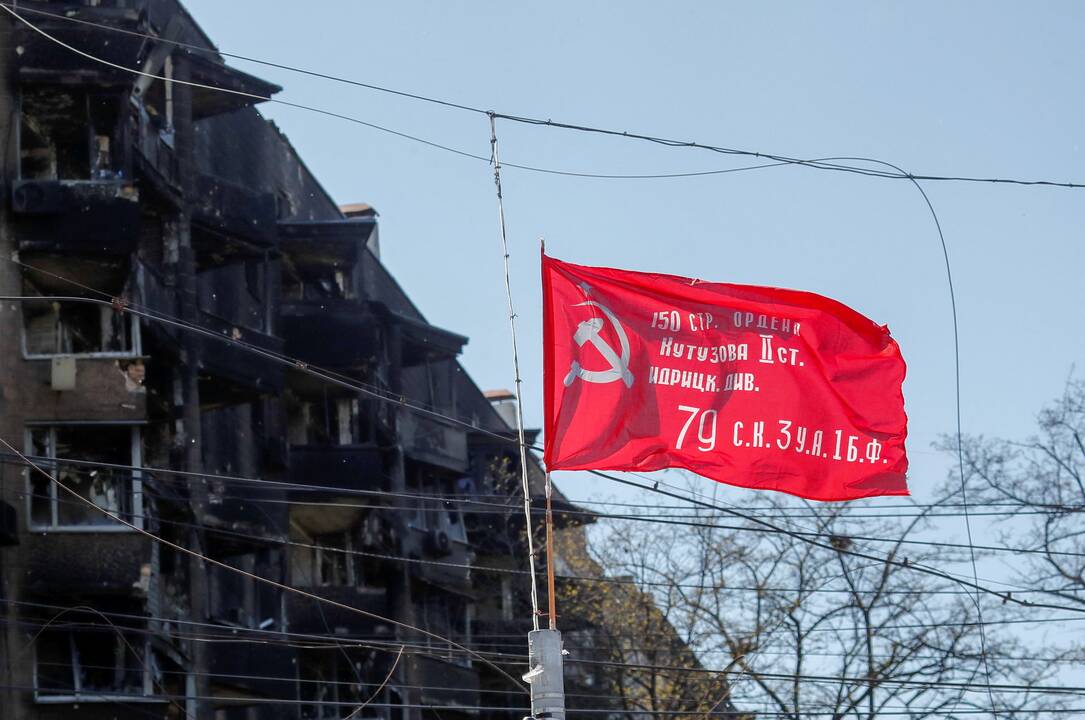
<point x="686" y="523"/>
<point x="90" y="695"/>
<point x="252" y="576"/>
<point x="957" y="403"/>
<point x="775" y="158"/>
<point x="774" y="528"/>
<point x="364" y="123"/>
<point x="474" y="497"/>
<point x="482" y="568"/>
<point x="913" y="178"/>
<point x="503" y="509"/>
<point x="795" y="534"/>
<point x="903" y="564"/>
<point x="646" y="666"/>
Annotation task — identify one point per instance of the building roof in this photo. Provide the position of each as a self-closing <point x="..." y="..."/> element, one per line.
<point x="358" y="209"/>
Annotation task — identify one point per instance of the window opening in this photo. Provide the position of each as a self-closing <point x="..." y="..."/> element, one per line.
<point x="118" y="491"/>
<point x="53" y="328"/>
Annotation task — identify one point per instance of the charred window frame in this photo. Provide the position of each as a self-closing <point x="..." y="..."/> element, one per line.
<point x="68" y="135"/>
<point x="449" y="615"/>
<point x="334" y="560"/>
<point x="330" y="420"/>
<point x="97" y="666"/>
<point x="395" y="701"/>
<point x="438" y="515"/>
<point x="53" y="328"/>
<point x="116" y="490"/>
<point x="329" y="689"/>
<point x="240" y="601"/>
<point x="73" y="329"/>
<point x="308" y="281"/>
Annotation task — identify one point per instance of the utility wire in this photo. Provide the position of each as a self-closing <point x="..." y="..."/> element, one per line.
<point x="89" y="696"/>
<point x="653" y="488"/>
<point x="231" y="634"/>
<point x="957" y="407"/>
<point x="496" y="162"/>
<point x="471" y="566"/>
<point x="373" y="126"/>
<point x="506" y="510"/>
<point x="913" y="178"/>
<point x="476" y="499"/>
<point x="903" y="564"/>
<point x="777" y="159"/>
<point x="252" y="576"/>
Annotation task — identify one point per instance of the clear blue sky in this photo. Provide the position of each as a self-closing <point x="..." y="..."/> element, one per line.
<point x="989" y="89"/>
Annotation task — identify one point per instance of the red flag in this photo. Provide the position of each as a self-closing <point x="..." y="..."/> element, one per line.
<point x="751" y="386"/>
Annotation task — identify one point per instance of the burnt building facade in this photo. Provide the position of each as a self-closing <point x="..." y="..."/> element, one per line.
<point x="197" y="344"/>
<point x="247" y="479"/>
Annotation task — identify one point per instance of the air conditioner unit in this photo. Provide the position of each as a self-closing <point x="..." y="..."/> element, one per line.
<point x="438" y="543"/>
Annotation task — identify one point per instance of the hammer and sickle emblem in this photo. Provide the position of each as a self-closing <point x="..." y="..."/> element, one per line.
<point x="588" y="331"/>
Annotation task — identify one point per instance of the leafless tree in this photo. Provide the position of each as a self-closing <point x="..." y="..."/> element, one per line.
<point x="1039" y="485"/>
<point x="626" y="653"/>
<point x="804" y="630"/>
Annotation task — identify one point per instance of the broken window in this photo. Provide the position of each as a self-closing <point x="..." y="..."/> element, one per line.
<point x="447" y="615"/>
<point x="115" y="490"/>
<point x="332" y="560"/>
<point x="52" y="327"/>
<point x="235" y="292"/>
<point x="444" y="516"/>
<point x="318" y="283"/>
<point x="67" y="135"/>
<point x="67" y="328"/>
<point x="329" y="421"/>
<point x="331" y="688"/>
<point x="242" y="601"/>
<point x="91" y="665"/>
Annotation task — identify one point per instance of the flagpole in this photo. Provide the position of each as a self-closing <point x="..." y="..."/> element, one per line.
<point x="552" y="609"/>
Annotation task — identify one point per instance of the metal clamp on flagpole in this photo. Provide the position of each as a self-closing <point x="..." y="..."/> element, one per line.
<point x="544" y="654"/>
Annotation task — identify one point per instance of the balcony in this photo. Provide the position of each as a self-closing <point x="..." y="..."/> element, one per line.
<point x="235" y="369"/>
<point x="453" y="576"/>
<point x="230" y="372"/>
<point x="214" y="75"/>
<point x="326" y="468"/>
<point x="331" y="332"/>
<point x="433" y="440"/>
<point x="62" y="564"/>
<point x="232" y="665"/>
<point x="309" y="616"/>
<point x="445" y="683"/>
<point x="86" y="217"/>
<point x="222" y="208"/>
<point x="262" y="517"/>
<point x="422" y="342"/>
<point x="40" y="60"/>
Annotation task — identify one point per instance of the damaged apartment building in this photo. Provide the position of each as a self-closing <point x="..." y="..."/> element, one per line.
<point x="200" y="351"/>
<point x="162" y="250"/>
